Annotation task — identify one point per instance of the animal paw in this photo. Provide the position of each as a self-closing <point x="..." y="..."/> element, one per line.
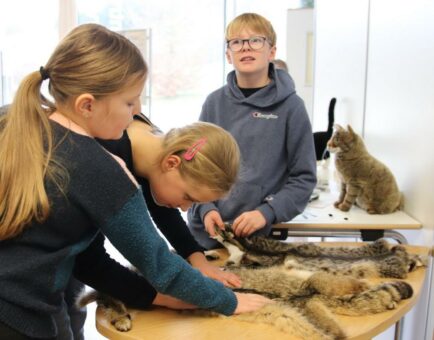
<point x="343" y="207"/>
<point x="123" y="323"/>
<point x="392" y="305"/>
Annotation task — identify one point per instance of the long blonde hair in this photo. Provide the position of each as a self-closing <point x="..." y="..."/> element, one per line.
<point x="90" y="59"/>
<point x="217" y="161"/>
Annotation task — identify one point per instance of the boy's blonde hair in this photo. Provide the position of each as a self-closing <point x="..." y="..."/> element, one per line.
<point x="254" y="22"/>
<point x="90" y="59"/>
<point x="217" y="161"/>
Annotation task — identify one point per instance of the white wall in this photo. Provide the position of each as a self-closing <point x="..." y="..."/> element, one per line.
<point x="390" y="43"/>
<point x="340" y="61"/>
<point x="299" y="25"/>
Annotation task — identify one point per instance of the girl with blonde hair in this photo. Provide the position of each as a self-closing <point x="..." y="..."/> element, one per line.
<point x="59" y="187"/>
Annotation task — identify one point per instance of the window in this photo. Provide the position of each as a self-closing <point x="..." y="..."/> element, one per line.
<point x="28" y="35"/>
<point x="186" y="50"/>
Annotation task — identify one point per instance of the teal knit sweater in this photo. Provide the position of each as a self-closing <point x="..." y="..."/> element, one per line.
<point x="36" y="265"/>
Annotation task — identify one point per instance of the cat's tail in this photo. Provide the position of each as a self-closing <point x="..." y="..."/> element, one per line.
<point x="86" y="297"/>
<point x="401" y="202"/>
<point x="331" y="117"/>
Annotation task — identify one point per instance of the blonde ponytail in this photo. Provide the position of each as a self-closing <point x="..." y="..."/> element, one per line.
<point x="90" y="59"/>
<point x="23" y="160"/>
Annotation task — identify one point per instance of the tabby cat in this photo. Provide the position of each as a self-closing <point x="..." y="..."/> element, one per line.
<point x="364" y="179"/>
<point x="308" y="282"/>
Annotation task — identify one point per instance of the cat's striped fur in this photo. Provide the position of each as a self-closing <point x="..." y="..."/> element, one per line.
<point x="308" y="282"/>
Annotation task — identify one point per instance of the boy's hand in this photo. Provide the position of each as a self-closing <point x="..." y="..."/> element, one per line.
<point x="248" y="222"/>
<point x="211" y="219"/>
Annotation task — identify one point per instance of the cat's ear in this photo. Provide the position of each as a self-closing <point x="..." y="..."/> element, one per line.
<point x="350" y="130"/>
<point x="337" y="127"/>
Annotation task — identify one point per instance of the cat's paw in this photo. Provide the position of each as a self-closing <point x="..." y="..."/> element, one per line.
<point x="392" y="305"/>
<point x="123" y="323"/>
<point x="344" y="207"/>
<point x="336" y="204"/>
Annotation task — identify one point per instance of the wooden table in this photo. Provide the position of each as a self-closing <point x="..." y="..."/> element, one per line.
<point x="165" y="324"/>
<point x="322" y="219"/>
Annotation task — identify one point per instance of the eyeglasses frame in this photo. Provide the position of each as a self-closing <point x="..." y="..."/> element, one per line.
<point x="248" y="43"/>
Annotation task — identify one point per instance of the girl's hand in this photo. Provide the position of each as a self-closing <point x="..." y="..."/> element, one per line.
<point x="199" y="261"/>
<point x="248" y="222"/>
<point x="250" y="302"/>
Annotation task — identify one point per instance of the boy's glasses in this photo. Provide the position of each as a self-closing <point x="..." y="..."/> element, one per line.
<point x="255" y="43"/>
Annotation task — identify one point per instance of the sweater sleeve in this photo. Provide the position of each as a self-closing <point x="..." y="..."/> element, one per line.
<point x="131" y="231"/>
<point x="95" y="268"/>
<point x="170" y="222"/>
<point x="293" y="197"/>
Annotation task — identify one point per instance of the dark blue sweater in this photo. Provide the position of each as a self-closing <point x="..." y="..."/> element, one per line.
<point x="36" y="266"/>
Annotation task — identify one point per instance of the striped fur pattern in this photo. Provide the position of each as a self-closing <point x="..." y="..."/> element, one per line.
<point x="312" y="283"/>
<point x="365" y="181"/>
<point x="309" y="283"/>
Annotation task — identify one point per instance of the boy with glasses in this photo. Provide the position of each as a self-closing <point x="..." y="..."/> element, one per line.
<point x="260" y="108"/>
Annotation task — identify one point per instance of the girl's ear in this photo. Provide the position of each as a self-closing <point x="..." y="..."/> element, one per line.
<point x="83" y="105"/>
<point x="171" y="162"/>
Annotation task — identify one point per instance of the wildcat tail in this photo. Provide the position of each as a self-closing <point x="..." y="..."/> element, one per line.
<point x="86" y="297"/>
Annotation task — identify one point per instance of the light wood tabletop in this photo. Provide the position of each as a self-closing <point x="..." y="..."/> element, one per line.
<point x="165" y="324"/>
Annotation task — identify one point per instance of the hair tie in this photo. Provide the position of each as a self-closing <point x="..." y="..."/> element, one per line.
<point x="44" y="73"/>
<point x="194" y="149"/>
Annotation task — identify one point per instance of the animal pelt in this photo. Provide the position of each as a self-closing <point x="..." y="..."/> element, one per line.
<point x="364" y="179"/>
<point x="376" y="259"/>
<point x="309" y="283"/>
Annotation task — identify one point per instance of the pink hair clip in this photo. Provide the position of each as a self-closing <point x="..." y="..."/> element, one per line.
<point x="194" y="149"/>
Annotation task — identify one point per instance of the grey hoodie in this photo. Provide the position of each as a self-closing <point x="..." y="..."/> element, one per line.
<point x="273" y="131"/>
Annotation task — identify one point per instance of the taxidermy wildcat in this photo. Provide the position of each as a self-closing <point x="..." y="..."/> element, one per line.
<point x="321" y="138"/>
<point x="365" y="180"/>
<point x="376" y="259"/>
<point x="311" y="282"/>
<point x="305" y="280"/>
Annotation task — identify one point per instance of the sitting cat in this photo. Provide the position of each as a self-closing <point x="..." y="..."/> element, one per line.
<point x="365" y="180"/>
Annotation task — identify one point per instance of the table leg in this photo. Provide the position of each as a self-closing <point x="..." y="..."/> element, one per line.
<point x="398" y="329"/>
